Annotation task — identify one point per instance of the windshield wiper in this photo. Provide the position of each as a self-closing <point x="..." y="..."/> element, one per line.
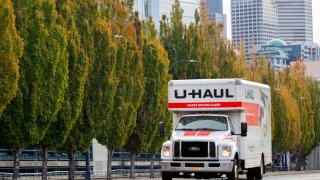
<point x="185" y="129"/>
<point x="207" y="129"/>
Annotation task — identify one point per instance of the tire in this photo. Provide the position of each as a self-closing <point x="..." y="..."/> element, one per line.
<point x="250" y="174"/>
<point x="260" y="170"/>
<point x="233" y="175"/>
<point x="166" y="176"/>
<point x="256" y="173"/>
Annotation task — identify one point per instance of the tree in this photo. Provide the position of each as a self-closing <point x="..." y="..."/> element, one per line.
<point x="126" y="84"/>
<point x="155" y="65"/>
<point x="298" y="83"/>
<point x="78" y="71"/>
<point x="286" y="124"/>
<point x="172" y="38"/>
<point x="80" y="17"/>
<point x="314" y="92"/>
<point x="11" y="47"/>
<point x="43" y="77"/>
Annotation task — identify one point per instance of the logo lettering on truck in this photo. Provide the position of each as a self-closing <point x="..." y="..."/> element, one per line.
<point x="199" y="93"/>
<point x="249" y="94"/>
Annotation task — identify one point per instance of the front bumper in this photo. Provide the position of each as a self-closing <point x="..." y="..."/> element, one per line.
<point x="196" y="166"/>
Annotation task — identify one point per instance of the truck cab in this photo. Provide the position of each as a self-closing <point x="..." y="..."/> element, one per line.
<point x="202" y="146"/>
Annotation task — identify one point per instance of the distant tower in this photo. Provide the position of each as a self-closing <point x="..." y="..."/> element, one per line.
<point x="255" y="22"/>
<point x="215" y="12"/>
<point x="161" y="7"/>
<point x="143" y="8"/>
<point x="295" y="20"/>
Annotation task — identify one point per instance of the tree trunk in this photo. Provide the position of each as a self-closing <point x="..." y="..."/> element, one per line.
<point x="16" y="163"/>
<point x="280" y="163"/>
<point x="110" y="153"/>
<point x="133" y="158"/>
<point x="88" y="174"/>
<point x="153" y="155"/>
<point x="71" y="156"/>
<point x="44" y="149"/>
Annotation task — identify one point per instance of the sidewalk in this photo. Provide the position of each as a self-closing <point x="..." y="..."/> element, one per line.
<point x="279" y="173"/>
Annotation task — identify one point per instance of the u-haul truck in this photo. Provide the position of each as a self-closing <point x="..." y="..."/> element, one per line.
<point x="221" y="127"/>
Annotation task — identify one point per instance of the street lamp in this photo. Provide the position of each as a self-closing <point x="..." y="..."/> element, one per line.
<point x="117" y="36"/>
<point x="191" y="61"/>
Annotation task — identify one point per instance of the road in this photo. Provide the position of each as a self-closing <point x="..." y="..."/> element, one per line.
<point x="295" y="176"/>
<point x="310" y="176"/>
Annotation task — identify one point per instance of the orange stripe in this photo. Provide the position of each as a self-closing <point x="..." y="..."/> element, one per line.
<point x="195" y="133"/>
<point x="204" y="104"/>
<point x="204" y="133"/>
<point x="190" y="133"/>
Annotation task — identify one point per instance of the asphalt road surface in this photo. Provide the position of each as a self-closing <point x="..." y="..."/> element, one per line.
<point x="303" y="176"/>
<point x="309" y="176"/>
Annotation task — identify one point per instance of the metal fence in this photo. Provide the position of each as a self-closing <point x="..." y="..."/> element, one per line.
<point x="60" y="175"/>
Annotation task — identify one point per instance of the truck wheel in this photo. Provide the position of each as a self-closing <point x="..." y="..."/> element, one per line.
<point x="259" y="170"/>
<point x="166" y="176"/>
<point x="256" y="173"/>
<point x="250" y="174"/>
<point x="233" y="175"/>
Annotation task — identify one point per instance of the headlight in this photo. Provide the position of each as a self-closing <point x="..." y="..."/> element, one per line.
<point x="166" y="151"/>
<point x="226" y="151"/>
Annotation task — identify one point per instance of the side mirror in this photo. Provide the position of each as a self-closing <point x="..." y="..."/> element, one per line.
<point x="244" y="129"/>
<point x="232" y="133"/>
<point x="161" y="129"/>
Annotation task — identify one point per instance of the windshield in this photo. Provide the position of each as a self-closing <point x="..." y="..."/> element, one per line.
<point x="216" y="123"/>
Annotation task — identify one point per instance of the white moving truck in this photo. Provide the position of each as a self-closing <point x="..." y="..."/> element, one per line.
<point x="221" y="127"/>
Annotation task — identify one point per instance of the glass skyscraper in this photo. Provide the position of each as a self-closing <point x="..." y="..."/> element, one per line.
<point x="142" y="6"/>
<point x="157" y="8"/>
<point x="163" y="7"/>
<point x="295" y="20"/>
<point x="215" y="12"/>
<point x="254" y="22"/>
<point x="215" y="6"/>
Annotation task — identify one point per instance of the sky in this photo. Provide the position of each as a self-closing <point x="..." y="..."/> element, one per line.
<point x="315" y="12"/>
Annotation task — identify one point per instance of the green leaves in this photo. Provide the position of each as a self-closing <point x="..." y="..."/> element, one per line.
<point x="43" y="74"/>
<point x="78" y="68"/>
<point x="153" y="107"/>
<point x="10" y="50"/>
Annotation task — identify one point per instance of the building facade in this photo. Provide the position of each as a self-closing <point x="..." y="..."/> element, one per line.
<point x="281" y="54"/>
<point x="215" y="13"/>
<point x="157" y="8"/>
<point x="276" y="51"/>
<point x="295" y="20"/>
<point x="143" y="8"/>
<point x="254" y="22"/>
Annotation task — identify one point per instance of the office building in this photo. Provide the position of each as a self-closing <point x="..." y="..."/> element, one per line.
<point x="282" y="54"/>
<point x="313" y="69"/>
<point x="157" y="8"/>
<point x="143" y="8"/>
<point x="254" y="22"/>
<point x="276" y="51"/>
<point x="295" y="20"/>
<point x="215" y="13"/>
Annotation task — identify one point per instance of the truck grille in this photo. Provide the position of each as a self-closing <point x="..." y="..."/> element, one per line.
<point x="177" y="149"/>
<point x="194" y="149"/>
<point x="212" y="149"/>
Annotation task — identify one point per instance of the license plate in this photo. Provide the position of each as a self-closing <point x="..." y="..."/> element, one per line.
<point x="194" y="169"/>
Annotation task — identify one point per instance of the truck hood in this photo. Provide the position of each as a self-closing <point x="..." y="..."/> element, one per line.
<point x="199" y="135"/>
